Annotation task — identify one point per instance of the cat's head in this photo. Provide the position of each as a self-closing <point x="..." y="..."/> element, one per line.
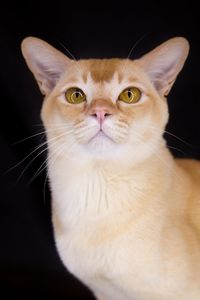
<point x="105" y="108"/>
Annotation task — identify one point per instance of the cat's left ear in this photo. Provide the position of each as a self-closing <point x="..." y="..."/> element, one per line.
<point x="45" y="62"/>
<point x="163" y="64"/>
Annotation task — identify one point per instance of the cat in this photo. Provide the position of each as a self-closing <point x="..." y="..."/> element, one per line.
<point x="125" y="213"/>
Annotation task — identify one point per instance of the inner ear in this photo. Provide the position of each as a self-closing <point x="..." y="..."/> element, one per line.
<point x="164" y="63"/>
<point x="47" y="78"/>
<point x="46" y="63"/>
<point x="164" y="79"/>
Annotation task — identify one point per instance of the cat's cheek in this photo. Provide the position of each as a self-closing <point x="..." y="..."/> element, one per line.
<point x="69" y="111"/>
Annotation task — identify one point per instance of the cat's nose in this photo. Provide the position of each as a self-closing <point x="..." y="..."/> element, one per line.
<point x="100" y="114"/>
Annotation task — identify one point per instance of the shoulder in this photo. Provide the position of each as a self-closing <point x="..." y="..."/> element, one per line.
<point x="191" y="167"/>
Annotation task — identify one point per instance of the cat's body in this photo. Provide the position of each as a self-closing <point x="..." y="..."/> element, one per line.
<point x="149" y="248"/>
<point x="126" y="214"/>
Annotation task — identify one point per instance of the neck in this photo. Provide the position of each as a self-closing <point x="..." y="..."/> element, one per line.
<point x="92" y="189"/>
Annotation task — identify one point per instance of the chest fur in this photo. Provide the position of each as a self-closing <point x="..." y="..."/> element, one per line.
<point x="105" y="230"/>
<point x="93" y="244"/>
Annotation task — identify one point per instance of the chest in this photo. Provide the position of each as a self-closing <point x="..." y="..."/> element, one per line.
<point x="123" y="262"/>
<point x="108" y="252"/>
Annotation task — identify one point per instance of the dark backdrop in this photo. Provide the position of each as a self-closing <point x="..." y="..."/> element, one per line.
<point x="29" y="264"/>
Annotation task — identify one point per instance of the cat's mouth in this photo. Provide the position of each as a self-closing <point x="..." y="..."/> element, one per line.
<point x="101" y="135"/>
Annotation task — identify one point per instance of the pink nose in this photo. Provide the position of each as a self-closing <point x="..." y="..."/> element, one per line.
<point x="100" y="114"/>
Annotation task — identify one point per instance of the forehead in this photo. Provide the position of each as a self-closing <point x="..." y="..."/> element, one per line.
<point x="100" y="69"/>
<point x="103" y="70"/>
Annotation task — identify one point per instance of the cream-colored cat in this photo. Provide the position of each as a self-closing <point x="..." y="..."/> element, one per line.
<point x="126" y="214"/>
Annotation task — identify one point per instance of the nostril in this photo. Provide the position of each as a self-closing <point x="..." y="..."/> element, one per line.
<point x="95" y="115"/>
<point x="100" y="116"/>
<point x="107" y="114"/>
<point x="103" y="115"/>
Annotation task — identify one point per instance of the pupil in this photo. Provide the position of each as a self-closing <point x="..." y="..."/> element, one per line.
<point x="77" y="94"/>
<point x="129" y="94"/>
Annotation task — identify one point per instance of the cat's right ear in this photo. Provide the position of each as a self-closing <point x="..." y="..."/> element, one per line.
<point x="45" y="62"/>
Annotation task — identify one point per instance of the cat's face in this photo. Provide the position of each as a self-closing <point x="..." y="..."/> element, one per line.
<point x="109" y="108"/>
<point x="103" y="124"/>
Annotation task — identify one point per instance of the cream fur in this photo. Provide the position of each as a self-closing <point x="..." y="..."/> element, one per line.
<point x="125" y="213"/>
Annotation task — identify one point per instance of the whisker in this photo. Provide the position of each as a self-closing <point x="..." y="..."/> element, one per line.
<point x="131" y="50"/>
<point x="38" y="147"/>
<point x="40" y="133"/>
<point x="174" y="148"/>
<point x="54" y="153"/>
<point x="50" y="124"/>
<point x="85" y="130"/>
<point x="24" y="170"/>
<point x="44" y="187"/>
<point x="41" y="168"/>
<point x="136" y="44"/>
<point x="40" y="124"/>
<point x="46" y="178"/>
<point x="19" y="163"/>
<point x="76" y="65"/>
<point x="173" y="135"/>
<point x="178" y="138"/>
<point x="29" y="137"/>
<point x="157" y="155"/>
<point x="67" y="50"/>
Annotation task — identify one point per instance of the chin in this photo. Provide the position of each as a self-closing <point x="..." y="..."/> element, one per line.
<point x="105" y="150"/>
<point x="102" y="145"/>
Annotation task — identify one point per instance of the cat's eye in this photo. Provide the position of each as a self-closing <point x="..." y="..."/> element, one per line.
<point x="75" y="95"/>
<point x="130" y="95"/>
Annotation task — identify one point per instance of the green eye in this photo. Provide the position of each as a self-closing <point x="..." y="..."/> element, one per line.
<point x="130" y="95"/>
<point x="75" y="95"/>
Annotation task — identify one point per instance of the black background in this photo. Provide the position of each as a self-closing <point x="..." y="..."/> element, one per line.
<point x="29" y="264"/>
